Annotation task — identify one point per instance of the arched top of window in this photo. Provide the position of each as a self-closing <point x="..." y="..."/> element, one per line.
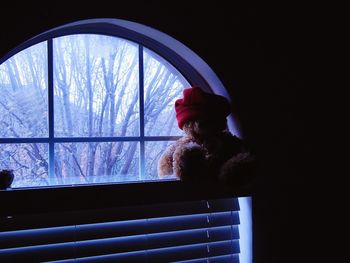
<point x="92" y="102"/>
<point x="194" y="68"/>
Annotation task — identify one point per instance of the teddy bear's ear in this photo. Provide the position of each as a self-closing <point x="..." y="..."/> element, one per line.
<point x="197" y="104"/>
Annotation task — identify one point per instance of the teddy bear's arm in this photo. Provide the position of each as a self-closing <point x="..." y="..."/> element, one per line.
<point x="238" y="170"/>
<point x="189" y="162"/>
<point x="165" y="163"/>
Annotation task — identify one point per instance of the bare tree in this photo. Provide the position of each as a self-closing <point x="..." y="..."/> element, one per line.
<point x="96" y="93"/>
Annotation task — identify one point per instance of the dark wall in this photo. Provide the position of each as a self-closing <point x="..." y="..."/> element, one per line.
<point x="263" y="55"/>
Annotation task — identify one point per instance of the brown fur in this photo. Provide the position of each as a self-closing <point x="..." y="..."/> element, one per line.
<point x="208" y="151"/>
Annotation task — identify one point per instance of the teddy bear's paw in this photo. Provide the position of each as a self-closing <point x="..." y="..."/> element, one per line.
<point x="189" y="162"/>
<point x="165" y="168"/>
<point x="165" y="163"/>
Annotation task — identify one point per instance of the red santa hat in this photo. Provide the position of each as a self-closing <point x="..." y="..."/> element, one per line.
<point x="199" y="105"/>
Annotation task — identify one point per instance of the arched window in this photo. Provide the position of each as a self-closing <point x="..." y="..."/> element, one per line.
<point x="92" y="102"/>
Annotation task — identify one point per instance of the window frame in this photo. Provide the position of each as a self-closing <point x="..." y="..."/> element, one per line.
<point x="191" y="66"/>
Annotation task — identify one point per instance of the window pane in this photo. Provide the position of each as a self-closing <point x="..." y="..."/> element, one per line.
<point x="96" y="86"/>
<point x="163" y="85"/>
<point x="23" y="94"/>
<point x="29" y="161"/>
<point x="84" y="163"/>
<point x="153" y="151"/>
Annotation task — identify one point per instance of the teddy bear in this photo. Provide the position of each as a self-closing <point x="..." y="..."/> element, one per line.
<point x="207" y="151"/>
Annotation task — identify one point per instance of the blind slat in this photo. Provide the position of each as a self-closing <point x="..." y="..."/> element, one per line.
<point x="156" y="225"/>
<point x="192" y="221"/>
<point x="233" y="258"/>
<point x="114" y="229"/>
<point x="38" y="253"/>
<point x="32" y="237"/>
<point x="155" y="241"/>
<point x="159" y="210"/>
<point x="173" y="254"/>
<point x="117" y="214"/>
<point x="194" y="251"/>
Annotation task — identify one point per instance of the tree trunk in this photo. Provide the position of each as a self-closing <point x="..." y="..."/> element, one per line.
<point x="91" y="146"/>
<point x="128" y="159"/>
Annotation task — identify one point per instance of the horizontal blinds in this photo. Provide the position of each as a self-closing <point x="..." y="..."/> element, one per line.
<point x="196" y="231"/>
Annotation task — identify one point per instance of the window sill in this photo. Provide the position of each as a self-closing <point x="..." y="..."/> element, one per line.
<point x="74" y="198"/>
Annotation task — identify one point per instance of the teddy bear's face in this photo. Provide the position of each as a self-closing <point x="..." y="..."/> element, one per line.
<point x="201" y="130"/>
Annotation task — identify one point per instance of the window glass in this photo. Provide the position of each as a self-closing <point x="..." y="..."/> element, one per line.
<point x="29" y="162"/>
<point x="153" y="151"/>
<point x="23" y="94"/>
<point x="96" y="86"/>
<point x="104" y="162"/>
<point x="163" y="85"/>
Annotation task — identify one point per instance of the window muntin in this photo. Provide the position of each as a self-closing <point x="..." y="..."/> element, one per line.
<point x="98" y="135"/>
